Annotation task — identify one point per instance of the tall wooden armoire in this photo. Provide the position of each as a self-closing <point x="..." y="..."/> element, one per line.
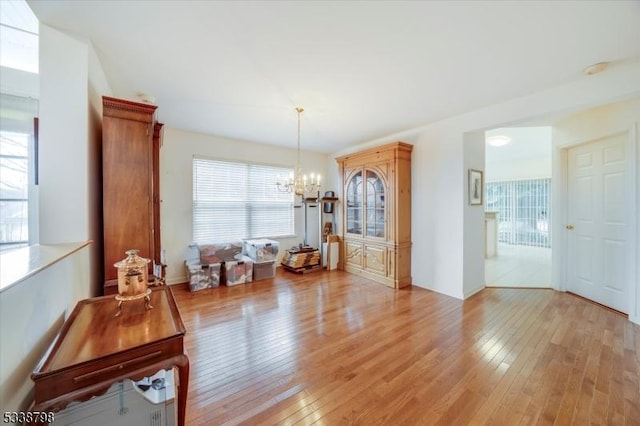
<point x="131" y="139"/>
<point x="376" y="213"/>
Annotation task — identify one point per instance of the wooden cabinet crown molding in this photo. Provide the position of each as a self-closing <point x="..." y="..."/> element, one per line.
<point x="376" y="154"/>
<point x="123" y="108"/>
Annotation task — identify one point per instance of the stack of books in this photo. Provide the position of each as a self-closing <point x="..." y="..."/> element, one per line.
<point x="301" y="259"/>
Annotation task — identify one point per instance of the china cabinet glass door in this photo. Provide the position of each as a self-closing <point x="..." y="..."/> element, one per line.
<point x="354" y="205"/>
<point x="375" y="205"/>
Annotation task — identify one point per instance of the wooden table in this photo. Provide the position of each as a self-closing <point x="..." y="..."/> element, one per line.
<point x="95" y="349"/>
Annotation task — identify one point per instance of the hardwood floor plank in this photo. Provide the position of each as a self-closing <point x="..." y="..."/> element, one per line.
<point x="491" y="366"/>
<point x="480" y="353"/>
<point x="517" y="378"/>
<point x="332" y="348"/>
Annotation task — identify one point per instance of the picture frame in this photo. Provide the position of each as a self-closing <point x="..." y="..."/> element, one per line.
<point x="476" y="187"/>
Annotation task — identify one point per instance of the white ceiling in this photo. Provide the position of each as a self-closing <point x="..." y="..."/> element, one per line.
<point x="526" y="143"/>
<point x="362" y="70"/>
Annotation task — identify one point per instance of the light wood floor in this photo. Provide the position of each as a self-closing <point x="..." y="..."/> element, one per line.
<point x="330" y="348"/>
<point x="519" y="266"/>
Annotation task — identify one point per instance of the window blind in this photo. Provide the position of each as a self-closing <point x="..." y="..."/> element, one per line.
<point x="524" y="211"/>
<point x="234" y="200"/>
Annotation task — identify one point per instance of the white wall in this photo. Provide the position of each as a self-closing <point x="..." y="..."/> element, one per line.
<point x="473" y="272"/>
<point x="521" y="168"/>
<point x="25" y="84"/>
<point x="176" y="155"/>
<point x="31" y="314"/>
<point x="63" y="138"/>
<point x="439" y="209"/>
<point x="438" y="183"/>
<point x="19" y="83"/>
<point x="71" y="85"/>
<point x="621" y="117"/>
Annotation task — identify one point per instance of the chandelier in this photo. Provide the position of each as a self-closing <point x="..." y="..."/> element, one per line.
<point x="298" y="182"/>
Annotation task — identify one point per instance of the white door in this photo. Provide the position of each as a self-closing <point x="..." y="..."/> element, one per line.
<point x="598" y="226"/>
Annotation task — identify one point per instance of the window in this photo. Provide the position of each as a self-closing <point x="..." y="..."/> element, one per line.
<point x="16" y="171"/>
<point x="18" y="107"/>
<point x="239" y="200"/>
<point x="524" y="211"/>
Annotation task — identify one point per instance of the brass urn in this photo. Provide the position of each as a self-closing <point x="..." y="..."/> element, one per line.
<point x="133" y="279"/>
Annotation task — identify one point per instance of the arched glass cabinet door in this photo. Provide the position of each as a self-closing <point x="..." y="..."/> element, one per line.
<point x="375" y="194"/>
<point x="354" y="194"/>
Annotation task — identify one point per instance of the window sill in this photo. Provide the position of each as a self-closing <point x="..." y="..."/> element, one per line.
<point x="20" y="264"/>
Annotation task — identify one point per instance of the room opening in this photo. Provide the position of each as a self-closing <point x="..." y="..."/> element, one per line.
<point x="518" y="207"/>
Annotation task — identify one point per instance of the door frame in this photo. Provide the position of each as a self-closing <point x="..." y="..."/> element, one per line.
<point x="559" y="235"/>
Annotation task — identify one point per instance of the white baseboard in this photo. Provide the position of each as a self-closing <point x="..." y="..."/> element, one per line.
<point x="177" y="280"/>
<point x="472" y="292"/>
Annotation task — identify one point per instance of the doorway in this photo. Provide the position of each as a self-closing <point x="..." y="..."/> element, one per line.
<point x="518" y="191"/>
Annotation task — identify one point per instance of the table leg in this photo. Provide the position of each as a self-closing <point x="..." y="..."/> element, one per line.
<point x="183" y="388"/>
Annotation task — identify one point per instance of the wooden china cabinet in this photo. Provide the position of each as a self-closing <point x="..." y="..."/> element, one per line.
<point x="131" y="139"/>
<point x="376" y="216"/>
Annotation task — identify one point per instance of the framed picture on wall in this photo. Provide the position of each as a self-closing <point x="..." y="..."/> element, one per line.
<point x="476" y="187"/>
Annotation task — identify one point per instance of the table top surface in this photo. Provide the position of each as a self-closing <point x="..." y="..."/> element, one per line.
<point x="92" y="331"/>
